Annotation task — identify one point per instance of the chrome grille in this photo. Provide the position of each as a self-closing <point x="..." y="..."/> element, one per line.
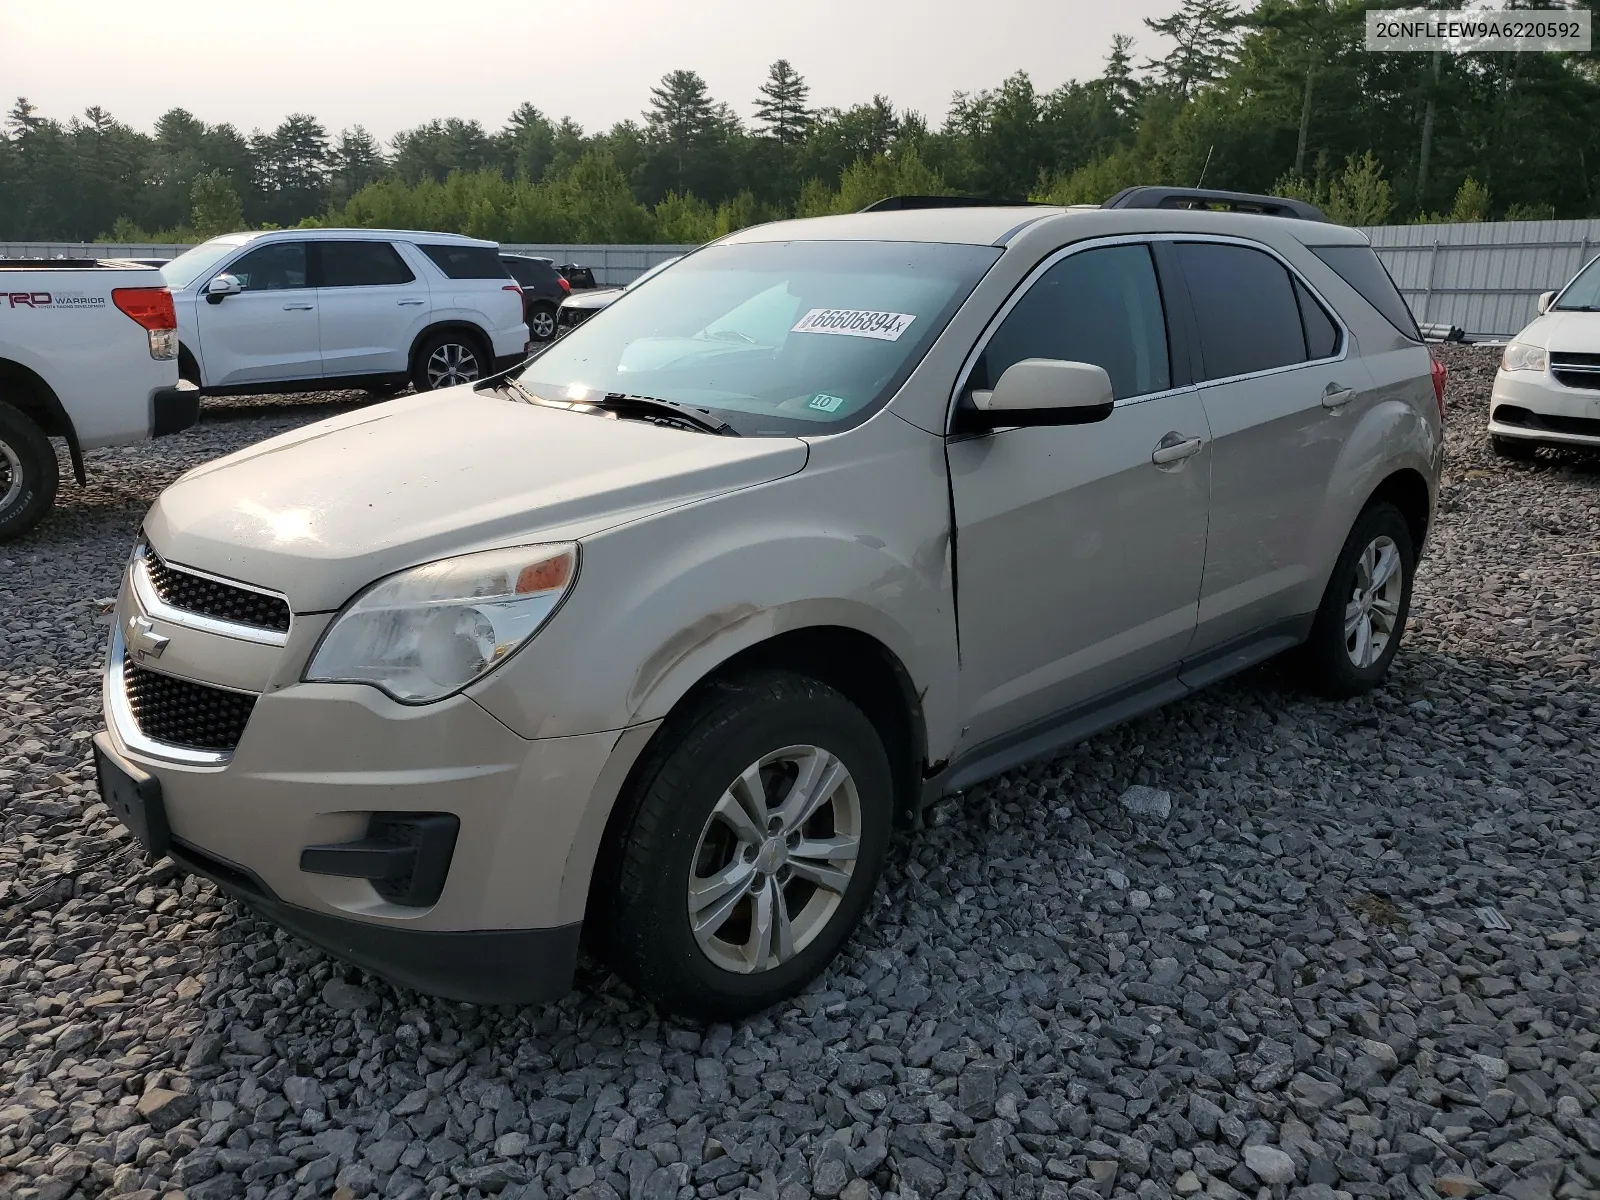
<point x="183" y="713"/>
<point x="1576" y="370"/>
<point x="213" y="598"/>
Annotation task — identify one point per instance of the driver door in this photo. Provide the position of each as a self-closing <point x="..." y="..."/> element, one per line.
<point x="1079" y="549"/>
<point x="268" y="332"/>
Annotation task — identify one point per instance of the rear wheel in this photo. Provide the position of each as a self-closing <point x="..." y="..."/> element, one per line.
<point x="449" y="359"/>
<point x="1516" y="449"/>
<point x="542" y="322"/>
<point x="755" y="840"/>
<point x="28" y="475"/>
<point x="1363" y="613"/>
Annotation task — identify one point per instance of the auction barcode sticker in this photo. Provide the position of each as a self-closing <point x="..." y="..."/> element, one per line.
<point x="855" y="322"/>
<point x="1461" y="31"/>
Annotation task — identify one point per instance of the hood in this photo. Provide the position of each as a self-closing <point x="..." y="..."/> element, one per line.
<point x="323" y="511"/>
<point x="591" y="298"/>
<point x="1577" y="332"/>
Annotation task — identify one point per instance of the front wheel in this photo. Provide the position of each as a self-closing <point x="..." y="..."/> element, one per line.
<point x="756" y="838"/>
<point x="28" y="475"/>
<point x="1363" y="613"/>
<point x="448" y="359"/>
<point x="542" y="322"/>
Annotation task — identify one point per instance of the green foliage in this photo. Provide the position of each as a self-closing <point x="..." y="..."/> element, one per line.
<point x="1530" y="212"/>
<point x="1359" y="195"/>
<point x="1282" y="96"/>
<point x="1472" y="202"/>
<point x="216" y="208"/>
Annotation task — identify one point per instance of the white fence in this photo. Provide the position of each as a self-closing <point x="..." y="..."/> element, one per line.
<point x="611" y="264"/>
<point x="1485" y="278"/>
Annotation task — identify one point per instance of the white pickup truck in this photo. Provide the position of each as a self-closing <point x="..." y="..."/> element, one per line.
<point x="89" y="354"/>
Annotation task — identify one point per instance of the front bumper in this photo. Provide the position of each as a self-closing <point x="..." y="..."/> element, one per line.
<point x="315" y="762"/>
<point x="174" y="409"/>
<point x="1535" y="406"/>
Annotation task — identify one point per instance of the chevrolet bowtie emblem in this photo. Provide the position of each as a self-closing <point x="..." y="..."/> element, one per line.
<point x="143" y="639"/>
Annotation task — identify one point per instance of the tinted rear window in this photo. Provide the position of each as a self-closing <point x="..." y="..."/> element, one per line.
<point x="467" y="262"/>
<point x="530" y="271"/>
<point x="1244" y="305"/>
<point x="361" y="264"/>
<point x="1359" y="267"/>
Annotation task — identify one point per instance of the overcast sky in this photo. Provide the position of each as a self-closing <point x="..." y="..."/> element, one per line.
<point x="391" y="64"/>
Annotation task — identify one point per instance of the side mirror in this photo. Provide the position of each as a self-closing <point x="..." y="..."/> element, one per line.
<point x="1046" y="391"/>
<point x="1544" y="302"/>
<point x="223" y="286"/>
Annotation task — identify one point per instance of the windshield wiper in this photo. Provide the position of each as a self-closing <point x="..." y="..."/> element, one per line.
<point x="1576" y="308"/>
<point x="665" y="412"/>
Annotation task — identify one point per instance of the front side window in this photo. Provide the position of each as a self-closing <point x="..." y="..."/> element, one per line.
<point x="1583" y="293"/>
<point x="362" y="264"/>
<point x="1097" y="306"/>
<point x="776" y="338"/>
<point x="272" y="268"/>
<point x="1244" y="307"/>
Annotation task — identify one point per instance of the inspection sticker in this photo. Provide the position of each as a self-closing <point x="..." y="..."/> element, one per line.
<point x="826" y="402"/>
<point x="855" y="322"/>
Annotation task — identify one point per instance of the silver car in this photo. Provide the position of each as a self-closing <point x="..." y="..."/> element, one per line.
<point x="653" y="644"/>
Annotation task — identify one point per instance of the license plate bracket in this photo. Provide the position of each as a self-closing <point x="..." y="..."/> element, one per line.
<point x="134" y="796"/>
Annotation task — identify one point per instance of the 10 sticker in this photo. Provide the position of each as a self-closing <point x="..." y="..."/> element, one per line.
<point x="855" y="322"/>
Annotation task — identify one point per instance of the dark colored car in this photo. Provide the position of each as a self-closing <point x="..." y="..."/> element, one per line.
<point x="543" y="290"/>
<point x="581" y="278"/>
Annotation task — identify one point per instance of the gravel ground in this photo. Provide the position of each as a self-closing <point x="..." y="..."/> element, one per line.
<point x="1350" y="952"/>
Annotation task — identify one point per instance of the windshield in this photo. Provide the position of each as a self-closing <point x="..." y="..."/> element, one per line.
<point x="1584" y="291"/>
<point x="776" y="338"/>
<point x="192" y="264"/>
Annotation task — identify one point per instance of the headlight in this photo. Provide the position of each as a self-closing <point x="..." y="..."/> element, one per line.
<point x="1520" y="356"/>
<point x="427" y="632"/>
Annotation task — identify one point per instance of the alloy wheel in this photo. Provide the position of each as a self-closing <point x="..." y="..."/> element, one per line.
<point x="543" y="325"/>
<point x="774" y="859"/>
<point x="1373" y="611"/>
<point x="450" y="364"/>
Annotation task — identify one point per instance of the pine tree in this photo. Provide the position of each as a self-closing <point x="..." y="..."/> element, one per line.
<point x="781" y="109"/>
<point x="216" y="208"/>
<point x="1118" y="80"/>
<point x="357" y="160"/>
<point x="21" y="120"/>
<point x="682" y="119"/>
<point x="1204" y="31"/>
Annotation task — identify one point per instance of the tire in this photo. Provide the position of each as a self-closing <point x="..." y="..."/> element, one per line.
<point x="676" y="832"/>
<point x="448" y="359"/>
<point x="542" y="322"/>
<point x="28" y="473"/>
<point x="1340" y="664"/>
<point x="1516" y="449"/>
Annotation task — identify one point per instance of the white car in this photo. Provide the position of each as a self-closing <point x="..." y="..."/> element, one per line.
<point x="87" y="354"/>
<point x="296" y="309"/>
<point x="1548" y="389"/>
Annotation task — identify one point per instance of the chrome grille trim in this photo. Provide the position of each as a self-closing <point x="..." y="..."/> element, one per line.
<point x="152" y="603"/>
<point x="126" y="726"/>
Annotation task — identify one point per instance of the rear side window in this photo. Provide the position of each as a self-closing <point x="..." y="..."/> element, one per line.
<point x="1244" y="307"/>
<point x="1322" y="335"/>
<point x="530" y="272"/>
<point x="1359" y="267"/>
<point x="1098" y="306"/>
<point x="361" y="264"/>
<point x="467" y="262"/>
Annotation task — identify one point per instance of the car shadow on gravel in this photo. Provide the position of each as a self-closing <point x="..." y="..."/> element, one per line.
<point x="290" y="407"/>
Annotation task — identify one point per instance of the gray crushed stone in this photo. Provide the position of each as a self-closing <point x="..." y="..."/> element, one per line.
<point x="1291" y="983"/>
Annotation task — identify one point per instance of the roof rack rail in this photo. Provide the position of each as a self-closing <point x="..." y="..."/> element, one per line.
<point x="1207" y="198"/>
<point x="897" y="203"/>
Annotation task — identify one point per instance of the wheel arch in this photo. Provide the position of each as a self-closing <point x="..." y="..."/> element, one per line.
<point x="855" y="663"/>
<point x="456" y="325"/>
<point x="1408" y="491"/>
<point x="25" y="390"/>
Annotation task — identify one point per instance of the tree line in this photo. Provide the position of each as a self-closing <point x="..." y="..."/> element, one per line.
<point x="1280" y="98"/>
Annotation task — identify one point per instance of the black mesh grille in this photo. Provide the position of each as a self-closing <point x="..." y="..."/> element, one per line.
<point x="224" y="602"/>
<point x="182" y="713"/>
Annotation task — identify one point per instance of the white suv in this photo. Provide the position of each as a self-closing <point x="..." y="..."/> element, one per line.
<point x="374" y="308"/>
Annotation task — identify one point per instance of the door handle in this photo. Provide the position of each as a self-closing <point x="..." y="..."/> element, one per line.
<point x="1175" y="448"/>
<point x="403" y="303"/>
<point x="1336" y="396"/>
<point x="297" y="308"/>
